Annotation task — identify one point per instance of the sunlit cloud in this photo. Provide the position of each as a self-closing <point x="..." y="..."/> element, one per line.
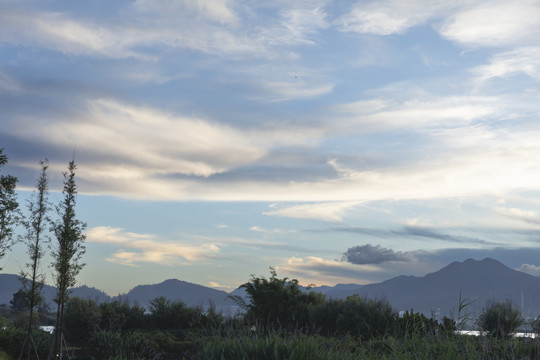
<point x="494" y="23"/>
<point x="217" y="285"/>
<point x="319" y="271"/>
<point x="527" y="216"/>
<point x="135" y="248"/>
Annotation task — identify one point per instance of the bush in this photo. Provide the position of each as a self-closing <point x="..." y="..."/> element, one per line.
<point x="12" y="340"/>
<point x="354" y="316"/>
<point x="279" y="302"/>
<point x="118" y="316"/>
<point x="500" y="319"/>
<point x="81" y="318"/>
<point x="413" y="324"/>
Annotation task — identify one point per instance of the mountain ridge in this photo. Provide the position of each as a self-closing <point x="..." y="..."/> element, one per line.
<point x="436" y="293"/>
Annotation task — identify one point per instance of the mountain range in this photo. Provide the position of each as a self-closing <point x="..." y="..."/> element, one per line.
<point x="437" y="293"/>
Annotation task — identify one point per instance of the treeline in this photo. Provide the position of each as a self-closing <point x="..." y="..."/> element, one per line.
<point x="280" y="321"/>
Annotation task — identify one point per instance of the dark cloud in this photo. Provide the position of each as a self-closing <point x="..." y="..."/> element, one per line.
<point x="369" y="254"/>
<point x="408" y="231"/>
<point x="364" y="231"/>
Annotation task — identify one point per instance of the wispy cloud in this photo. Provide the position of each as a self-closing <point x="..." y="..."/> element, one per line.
<point x="319" y="271"/>
<point x="330" y="211"/>
<point x="391" y="16"/>
<point x="526" y="216"/>
<point x="522" y="60"/>
<point x="422" y="231"/>
<point x="147" y="248"/>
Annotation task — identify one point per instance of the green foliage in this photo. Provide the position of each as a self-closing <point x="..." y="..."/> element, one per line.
<point x="12" y="340"/>
<point x="8" y="208"/>
<point x="279" y="302"/>
<point x="36" y="234"/>
<point x="19" y="302"/>
<point x="354" y="316"/>
<point x="165" y="314"/>
<point x="464" y="316"/>
<point x="119" y="316"/>
<point x="67" y="255"/>
<point x="81" y="318"/>
<point x="500" y="319"/>
<point x="70" y="238"/>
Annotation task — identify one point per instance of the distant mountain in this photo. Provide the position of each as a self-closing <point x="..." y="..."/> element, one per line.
<point x="438" y="292"/>
<point x="435" y="293"/>
<point x="10" y="284"/>
<point x="174" y="290"/>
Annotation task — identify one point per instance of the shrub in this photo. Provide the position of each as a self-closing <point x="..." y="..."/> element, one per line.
<point x="413" y="324"/>
<point x="278" y="302"/>
<point x="354" y="316"/>
<point x="117" y="316"/>
<point x="12" y="340"/>
<point x="500" y="319"/>
<point x="81" y="318"/>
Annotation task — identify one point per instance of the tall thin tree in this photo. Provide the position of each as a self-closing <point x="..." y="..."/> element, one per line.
<point x="69" y="233"/>
<point x="8" y="208"/>
<point x="36" y="224"/>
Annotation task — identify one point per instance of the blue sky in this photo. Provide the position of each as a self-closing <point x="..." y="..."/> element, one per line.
<point x="338" y="142"/>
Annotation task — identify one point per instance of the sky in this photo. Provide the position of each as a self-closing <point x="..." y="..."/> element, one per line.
<point x="336" y="141"/>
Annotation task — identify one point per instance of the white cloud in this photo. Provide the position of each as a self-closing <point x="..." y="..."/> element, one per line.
<point x="149" y="142"/>
<point x="391" y="16"/>
<point x="271" y="231"/>
<point x="523" y="60"/>
<point x="137" y="248"/>
<point x="494" y="23"/>
<point x="293" y="90"/>
<point x="197" y="25"/>
<point x="220" y="11"/>
<point x="330" y="211"/>
<point x="417" y="112"/>
<point x="526" y="216"/>
<point x="529" y="269"/>
<point x="59" y="32"/>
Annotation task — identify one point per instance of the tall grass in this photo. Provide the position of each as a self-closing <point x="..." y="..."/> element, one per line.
<point x="417" y="346"/>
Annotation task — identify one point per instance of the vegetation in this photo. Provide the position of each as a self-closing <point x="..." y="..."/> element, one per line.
<point x="500" y="319"/>
<point x="353" y="328"/>
<point x="36" y="234"/>
<point x="67" y="256"/>
<point x="8" y="208"/>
